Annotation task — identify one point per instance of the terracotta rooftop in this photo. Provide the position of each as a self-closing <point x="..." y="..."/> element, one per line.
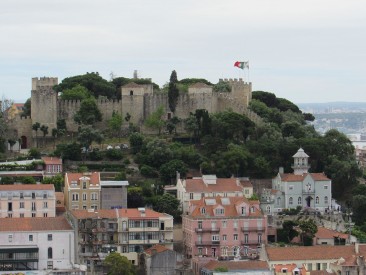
<point x="325" y="233"/>
<point x="237" y="265"/>
<point x="158" y="249"/>
<point x="289" y="267"/>
<point x="115" y="213"/>
<point x="319" y="252"/>
<point x="34" y="224"/>
<point x="94" y="177"/>
<point x="25" y="187"/>
<point x="52" y="160"/>
<point x="315" y="176"/>
<point x="229" y="205"/>
<point x="246" y="183"/>
<point x="222" y="185"/>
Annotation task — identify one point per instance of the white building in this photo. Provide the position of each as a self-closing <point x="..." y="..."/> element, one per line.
<point x="298" y="189"/>
<point x="42" y="245"/>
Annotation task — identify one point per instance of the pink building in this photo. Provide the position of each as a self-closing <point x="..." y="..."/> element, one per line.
<point x="53" y="166"/>
<point x="224" y="227"/>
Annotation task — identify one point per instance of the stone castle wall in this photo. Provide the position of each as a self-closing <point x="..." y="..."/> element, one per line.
<point x="139" y="101"/>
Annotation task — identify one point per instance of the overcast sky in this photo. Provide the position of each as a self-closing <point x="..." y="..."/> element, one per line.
<point x="305" y="51"/>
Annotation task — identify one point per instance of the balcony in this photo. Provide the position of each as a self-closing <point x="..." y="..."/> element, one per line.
<point x="203" y="243"/>
<point x="253" y="228"/>
<point x="250" y="242"/>
<point x="207" y="229"/>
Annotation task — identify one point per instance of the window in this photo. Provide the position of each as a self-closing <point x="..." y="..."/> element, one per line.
<point x="203" y="210"/>
<point x="299" y="201"/>
<point x="21" y="195"/>
<point x="49" y="237"/>
<point x="49" y="253"/>
<point x="30" y="238"/>
<point x="131" y="92"/>
<point x="215" y="237"/>
<point x="290" y="200"/>
<point x="326" y="187"/>
<point x="224" y="224"/>
<point x="317" y="200"/>
<point x="45" y="204"/>
<point x="235" y="224"/>
<point x="45" y="195"/>
<point x="326" y="200"/>
<point x="94" y="196"/>
<point x="84" y="207"/>
<point x="243" y="210"/>
<point x="213" y="224"/>
<point x="291" y="187"/>
<point x="33" y="195"/>
<point x="318" y="266"/>
<point x="84" y="196"/>
<point x="219" y="211"/>
<point x="45" y="215"/>
<point x="33" y="206"/>
<point x="200" y="251"/>
<point x="21" y="204"/>
<point x="235" y="237"/>
<point x="33" y="215"/>
<point x="75" y="196"/>
<point x="200" y="225"/>
<point x="10" y="238"/>
<point x="224" y="237"/>
<point x="84" y="185"/>
<point x="191" y="196"/>
<point x="50" y="264"/>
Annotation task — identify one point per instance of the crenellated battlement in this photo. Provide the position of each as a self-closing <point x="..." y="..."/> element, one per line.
<point x="44" y="82"/>
<point x="234" y="81"/>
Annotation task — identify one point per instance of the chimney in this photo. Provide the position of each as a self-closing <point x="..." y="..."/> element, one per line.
<point x="281" y="170"/>
<point x="357" y="248"/>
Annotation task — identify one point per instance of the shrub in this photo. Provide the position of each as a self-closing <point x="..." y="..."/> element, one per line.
<point x="114" y="154"/>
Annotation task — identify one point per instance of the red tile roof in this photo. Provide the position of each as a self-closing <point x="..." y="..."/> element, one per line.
<point x="315" y="176"/>
<point x="158" y="249"/>
<point x="34" y="224"/>
<point x="237" y="265"/>
<point x="52" y="160"/>
<point x="319" y="252"/>
<point x="230" y="208"/>
<point x="246" y="183"/>
<point x="25" y="187"/>
<point x="94" y="177"/>
<point x="130" y="213"/>
<point x="325" y="233"/>
<point x="222" y="185"/>
<point x="289" y="267"/>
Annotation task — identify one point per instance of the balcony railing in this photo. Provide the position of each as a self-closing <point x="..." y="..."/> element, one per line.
<point x="207" y="229"/>
<point x="253" y="228"/>
<point x="203" y="243"/>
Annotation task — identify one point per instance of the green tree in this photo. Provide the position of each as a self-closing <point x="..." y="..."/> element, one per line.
<point x="308" y="229"/>
<point x="135" y="198"/>
<point x="221" y="269"/>
<point x="87" y="134"/>
<point x="88" y="113"/>
<point x="288" y="231"/>
<point x="169" y="170"/>
<point x="168" y="204"/>
<point x="27" y="108"/>
<point x="26" y="180"/>
<point x="77" y="92"/>
<point x="71" y="151"/>
<point x="57" y="181"/>
<point x="136" y="141"/>
<point x="44" y="130"/>
<point x="54" y="135"/>
<point x="36" y="127"/>
<point x="61" y="126"/>
<point x="115" y="124"/>
<point x="173" y="92"/>
<point x="156" y="120"/>
<point x="117" y="264"/>
<point x="157" y="153"/>
<point x="34" y="153"/>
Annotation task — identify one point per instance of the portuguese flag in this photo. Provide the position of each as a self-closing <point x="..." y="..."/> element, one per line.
<point x="241" y="65"/>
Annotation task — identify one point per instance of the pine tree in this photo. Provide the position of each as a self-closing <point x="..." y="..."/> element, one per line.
<point x="173" y="92"/>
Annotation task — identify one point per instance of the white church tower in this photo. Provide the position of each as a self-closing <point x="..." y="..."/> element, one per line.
<point x="301" y="164"/>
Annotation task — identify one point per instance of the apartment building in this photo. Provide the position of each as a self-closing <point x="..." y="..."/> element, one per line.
<point x="224" y="227"/>
<point x="27" y="200"/>
<point x="82" y="190"/>
<point x="52" y="166"/>
<point x="37" y="246"/>
<point x="127" y="231"/>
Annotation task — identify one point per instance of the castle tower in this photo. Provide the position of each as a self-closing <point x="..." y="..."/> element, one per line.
<point x="301" y="165"/>
<point x="241" y="91"/>
<point x="44" y="102"/>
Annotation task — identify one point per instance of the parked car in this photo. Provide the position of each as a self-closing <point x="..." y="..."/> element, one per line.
<point x="109" y="147"/>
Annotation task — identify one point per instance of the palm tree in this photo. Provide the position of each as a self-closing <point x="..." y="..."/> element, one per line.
<point x="44" y="130"/>
<point x="35" y="127"/>
<point x="54" y="135"/>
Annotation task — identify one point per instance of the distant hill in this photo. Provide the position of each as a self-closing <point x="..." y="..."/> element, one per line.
<point x="333" y="107"/>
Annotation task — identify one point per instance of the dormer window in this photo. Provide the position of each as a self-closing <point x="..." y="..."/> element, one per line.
<point x="243" y="210"/>
<point x="220" y="211"/>
<point x="203" y="210"/>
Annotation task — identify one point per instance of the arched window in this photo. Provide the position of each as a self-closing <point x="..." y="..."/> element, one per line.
<point x="50" y="253"/>
<point x="290" y="200"/>
<point x="236" y="251"/>
<point x="203" y="210"/>
<point x="326" y="200"/>
<point x="268" y="209"/>
<point x="299" y="201"/>
<point x="317" y="200"/>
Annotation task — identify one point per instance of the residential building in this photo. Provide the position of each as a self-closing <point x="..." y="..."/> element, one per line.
<point x="82" y="190"/>
<point x="127" y="231"/>
<point x="318" y="257"/>
<point x="45" y="245"/>
<point x="310" y="191"/>
<point x="325" y="236"/>
<point x="27" y="200"/>
<point x="159" y="260"/>
<point x="113" y="194"/>
<point x="52" y="166"/>
<point x="236" y="267"/>
<point x="224" y="227"/>
<point x="206" y="186"/>
<point x="350" y="265"/>
<point x="247" y="187"/>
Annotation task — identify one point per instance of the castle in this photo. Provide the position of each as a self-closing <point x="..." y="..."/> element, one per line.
<point x="137" y="100"/>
